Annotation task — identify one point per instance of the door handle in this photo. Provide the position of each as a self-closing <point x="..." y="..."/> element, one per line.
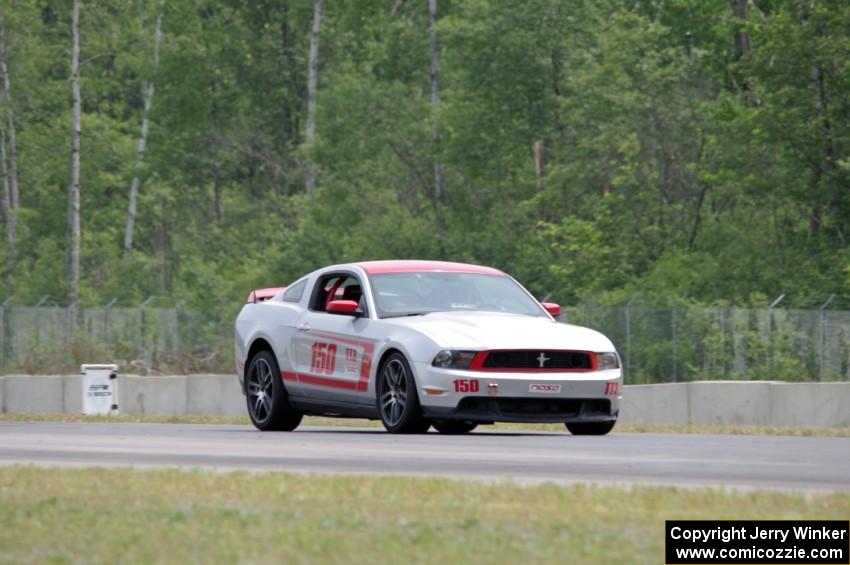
<point x="303" y="327"/>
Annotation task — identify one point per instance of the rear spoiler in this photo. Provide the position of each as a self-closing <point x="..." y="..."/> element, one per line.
<point x="263" y="294"/>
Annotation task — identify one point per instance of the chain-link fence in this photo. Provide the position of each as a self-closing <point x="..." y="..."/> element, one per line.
<point x="657" y="344"/>
<point x="143" y="340"/>
<point x="686" y="343"/>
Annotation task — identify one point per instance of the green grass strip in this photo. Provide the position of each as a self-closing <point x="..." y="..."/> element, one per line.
<point x="123" y="515"/>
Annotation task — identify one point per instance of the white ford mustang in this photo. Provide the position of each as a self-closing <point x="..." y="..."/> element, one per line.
<point x="420" y="344"/>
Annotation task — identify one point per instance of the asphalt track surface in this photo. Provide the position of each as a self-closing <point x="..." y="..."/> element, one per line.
<point x="735" y="461"/>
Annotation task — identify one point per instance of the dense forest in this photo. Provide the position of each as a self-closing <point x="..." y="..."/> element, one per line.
<point x="192" y="150"/>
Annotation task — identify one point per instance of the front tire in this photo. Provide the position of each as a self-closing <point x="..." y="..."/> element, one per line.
<point x="268" y="404"/>
<point x="454" y="427"/>
<point x="397" y="399"/>
<point x="591" y="428"/>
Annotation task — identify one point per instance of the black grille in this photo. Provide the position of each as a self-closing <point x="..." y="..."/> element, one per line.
<point x="530" y="359"/>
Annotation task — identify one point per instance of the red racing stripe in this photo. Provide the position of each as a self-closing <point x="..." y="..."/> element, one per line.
<point x="323" y="381"/>
<point x="331" y="382"/>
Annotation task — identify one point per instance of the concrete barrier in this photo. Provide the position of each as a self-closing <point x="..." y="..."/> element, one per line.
<point x="72" y="394"/>
<point x="737" y="403"/>
<point x="215" y="395"/>
<point x="661" y="404"/>
<point x="153" y="396"/>
<point x="743" y="403"/>
<point x="824" y="405"/>
<point x="34" y="395"/>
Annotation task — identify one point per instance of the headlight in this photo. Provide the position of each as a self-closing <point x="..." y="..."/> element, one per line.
<point x="449" y="359"/>
<point x="607" y="360"/>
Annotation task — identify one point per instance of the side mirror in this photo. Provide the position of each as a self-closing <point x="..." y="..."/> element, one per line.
<point x="552" y="308"/>
<point x="347" y="307"/>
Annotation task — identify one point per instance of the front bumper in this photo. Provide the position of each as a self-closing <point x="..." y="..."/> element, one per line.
<point x="528" y="410"/>
<point x="518" y="397"/>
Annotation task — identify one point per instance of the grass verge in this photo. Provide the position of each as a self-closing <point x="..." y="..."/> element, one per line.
<point x="104" y="515"/>
<point x="320" y="421"/>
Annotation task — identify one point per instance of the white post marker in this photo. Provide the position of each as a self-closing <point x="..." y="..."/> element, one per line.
<point x="100" y="389"/>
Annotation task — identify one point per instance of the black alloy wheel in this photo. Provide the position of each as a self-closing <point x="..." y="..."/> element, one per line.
<point x="398" y="401"/>
<point x="268" y="405"/>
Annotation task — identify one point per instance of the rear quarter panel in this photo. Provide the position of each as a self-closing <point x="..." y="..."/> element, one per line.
<point x="271" y="321"/>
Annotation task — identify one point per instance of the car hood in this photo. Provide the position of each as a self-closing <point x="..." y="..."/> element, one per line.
<point x="494" y="330"/>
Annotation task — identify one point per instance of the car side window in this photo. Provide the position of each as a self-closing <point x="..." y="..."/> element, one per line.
<point x="295" y="292"/>
<point x="337" y="287"/>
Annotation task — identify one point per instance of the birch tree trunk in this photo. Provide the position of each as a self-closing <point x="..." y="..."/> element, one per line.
<point x="10" y="160"/>
<point x="312" y="80"/>
<point x="539" y="150"/>
<point x="162" y="245"/>
<point x="743" y="43"/>
<point x="825" y="168"/>
<point x="439" y="181"/>
<point x="8" y="215"/>
<point x="143" y="140"/>
<point x="10" y="115"/>
<point x="216" y="166"/>
<point x="74" y="169"/>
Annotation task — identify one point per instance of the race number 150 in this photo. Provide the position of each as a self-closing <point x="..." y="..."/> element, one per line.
<point x="324" y="358"/>
<point x="466" y="385"/>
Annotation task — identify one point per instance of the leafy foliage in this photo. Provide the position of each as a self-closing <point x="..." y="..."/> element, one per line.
<point x="671" y="164"/>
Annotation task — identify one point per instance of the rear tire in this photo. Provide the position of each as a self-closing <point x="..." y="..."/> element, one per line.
<point x="397" y="399"/>
<point x="454" y="427"/>
<point x="268" y="403"/>
<point x="591" y="428"/>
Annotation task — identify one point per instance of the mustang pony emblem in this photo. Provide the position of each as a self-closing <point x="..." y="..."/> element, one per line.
<point x="542" y="359"/>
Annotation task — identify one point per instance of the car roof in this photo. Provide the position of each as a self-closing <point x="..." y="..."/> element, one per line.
<point x="382" y="267"/>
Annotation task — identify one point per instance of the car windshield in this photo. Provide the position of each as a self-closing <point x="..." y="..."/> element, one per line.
<point x="410" y="294"/>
